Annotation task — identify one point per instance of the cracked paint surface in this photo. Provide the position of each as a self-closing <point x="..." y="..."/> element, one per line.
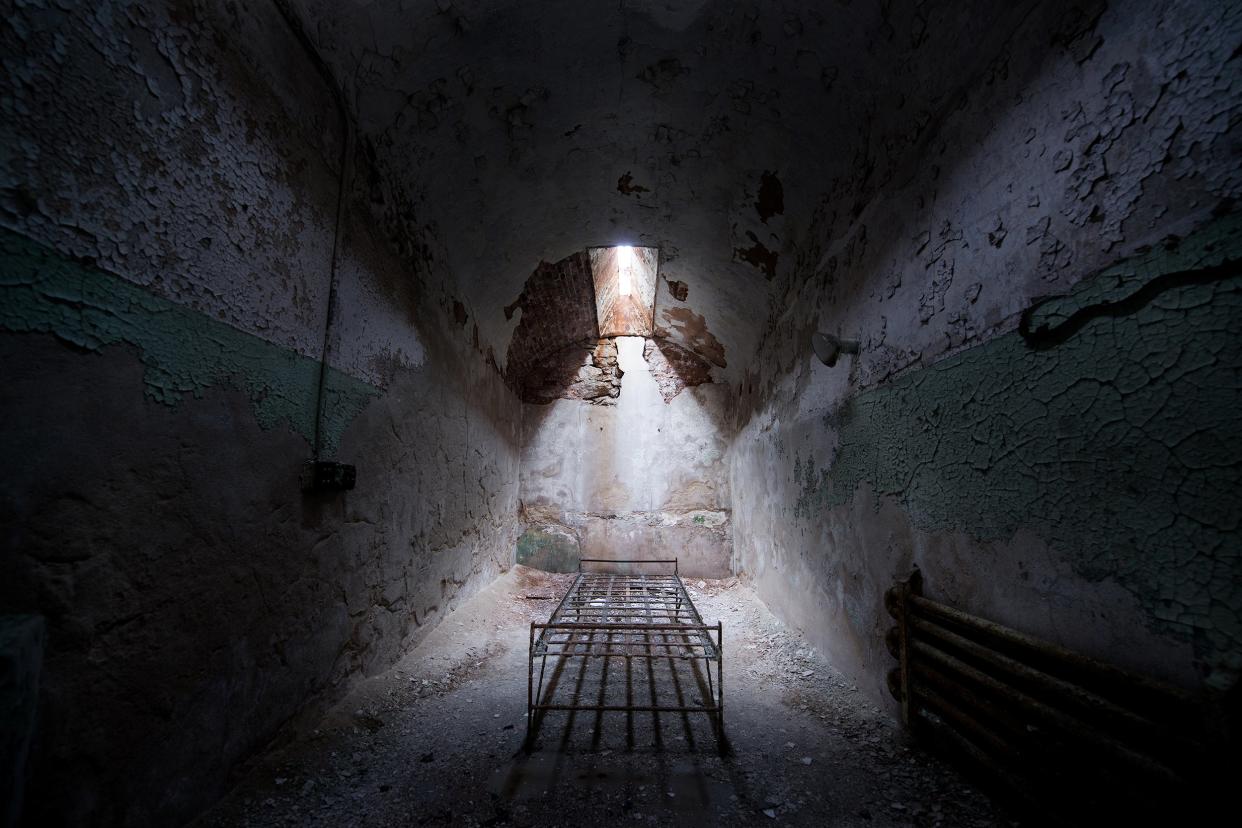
<point x="1119" y="447"/>
<point x="1050" y="167"/>
<point x="236" y="221"/>
<point x="1070" y="171"/>
<point x="1114" y="451"/>
<point x="183" y="352"/>
<point x="168" y="199"/>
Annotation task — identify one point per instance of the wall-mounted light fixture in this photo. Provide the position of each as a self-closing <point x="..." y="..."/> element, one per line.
<point x="828" y="348"/>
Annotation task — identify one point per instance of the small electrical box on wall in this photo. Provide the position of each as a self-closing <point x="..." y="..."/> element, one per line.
<point x="327" y="476"/>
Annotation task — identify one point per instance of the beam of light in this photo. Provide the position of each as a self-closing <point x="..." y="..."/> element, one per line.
<point x="625" y="270"/>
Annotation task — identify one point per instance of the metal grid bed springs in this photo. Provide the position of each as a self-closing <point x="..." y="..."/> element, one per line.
<point x="646" y="620"/>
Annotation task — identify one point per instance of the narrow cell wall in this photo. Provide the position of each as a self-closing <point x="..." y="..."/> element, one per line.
<point x="640" y="477"/>
<point x="1064" y="466"/>
<point x="164" y="300"/>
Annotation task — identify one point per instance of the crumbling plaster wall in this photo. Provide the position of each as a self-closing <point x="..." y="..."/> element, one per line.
<point x="1076" y="483"/>
<point x="623" y="438"/>
<point x="168" y="202"/>
<point x="641" y="477"/>
<point x="535" y="130"/>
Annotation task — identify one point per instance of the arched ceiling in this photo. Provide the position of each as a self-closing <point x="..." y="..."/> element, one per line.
<point x="527" y="130"/>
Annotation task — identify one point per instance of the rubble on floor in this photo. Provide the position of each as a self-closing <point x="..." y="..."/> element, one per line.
<point x="437" y="740"/>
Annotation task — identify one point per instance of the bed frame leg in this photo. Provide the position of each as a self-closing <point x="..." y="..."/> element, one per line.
<point x="720" y="673"/>
<point x="528" y="742"/>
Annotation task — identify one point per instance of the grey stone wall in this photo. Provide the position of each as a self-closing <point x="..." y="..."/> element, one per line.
<point x="168" y="202"/>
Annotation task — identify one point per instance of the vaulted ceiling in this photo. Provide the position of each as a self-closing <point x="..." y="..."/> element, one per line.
<point x="721" y="131"/>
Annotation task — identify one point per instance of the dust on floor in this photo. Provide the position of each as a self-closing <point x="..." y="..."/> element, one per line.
<point x="438" y="740"/>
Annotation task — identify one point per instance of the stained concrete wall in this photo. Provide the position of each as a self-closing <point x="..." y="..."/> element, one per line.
<point x="638" y="478"/>
<point x="168" y="203"/>
<point x="1071" y="476"/>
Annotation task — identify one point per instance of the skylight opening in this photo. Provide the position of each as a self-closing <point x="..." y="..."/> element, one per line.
<point x="625" y="270"/>
<point x="625" y="288"/>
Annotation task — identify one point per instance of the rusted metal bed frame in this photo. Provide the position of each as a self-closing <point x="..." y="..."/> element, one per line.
<point x="1071" y="737"/>
<point x="628" y="616"/>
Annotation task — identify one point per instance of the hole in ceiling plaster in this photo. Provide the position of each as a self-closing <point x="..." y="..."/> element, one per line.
<point x="625" y="285"/>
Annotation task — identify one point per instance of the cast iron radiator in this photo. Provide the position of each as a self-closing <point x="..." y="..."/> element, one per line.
<point x="643" y="620"/>
<point x="1066" y="736"/>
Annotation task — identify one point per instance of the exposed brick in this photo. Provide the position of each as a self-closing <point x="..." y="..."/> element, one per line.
<point x="558" y="311"/>
<point x="582" y="371"/>
<point x="674" y="367"/>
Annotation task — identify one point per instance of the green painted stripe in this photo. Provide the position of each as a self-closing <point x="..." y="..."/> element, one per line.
<point x="1121" y="446"/>
<point x="184" y="351"/>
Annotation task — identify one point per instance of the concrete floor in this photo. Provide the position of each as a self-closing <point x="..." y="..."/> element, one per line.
<point x="437" y="740"/>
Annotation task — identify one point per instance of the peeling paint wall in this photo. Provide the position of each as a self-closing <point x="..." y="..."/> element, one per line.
<point x="642" y="478"/>
<point x="1071" y="474"/>
<point x="132" y="95"/>
<point x="918" y="176"/>
<point x="164" y="276"/>
<point x="183" y="352"/>
<point x="707" y="128"/>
